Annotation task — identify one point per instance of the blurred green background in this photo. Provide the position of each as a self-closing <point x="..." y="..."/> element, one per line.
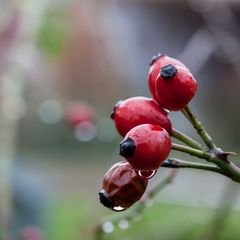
<point x="56" y="53"/>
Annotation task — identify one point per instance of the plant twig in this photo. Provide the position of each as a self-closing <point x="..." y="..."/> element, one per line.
<point x="185" y="139"/>
<point x="214" y="154"/>
<point x="228" y="168"/>
<point x="189" y="150"/>
<point x="161" y="185"/>
<point x="178" y="163"/>
<point x="199" y="127"/>
<point x="137" y="209"/>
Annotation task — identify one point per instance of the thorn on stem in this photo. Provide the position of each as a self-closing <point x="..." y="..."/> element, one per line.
<point x="224" y="155"/>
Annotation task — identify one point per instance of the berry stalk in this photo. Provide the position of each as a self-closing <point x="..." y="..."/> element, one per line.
<point x="190" y="150"/>
<point x="199" y="127"/>
<point x="227" y="168"/>
<point x="214" y="154"/>
<point x="178" y="163"/>
<point x="185" y="139"/>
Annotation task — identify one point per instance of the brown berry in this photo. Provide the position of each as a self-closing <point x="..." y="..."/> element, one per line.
<point x="122" y="187"/>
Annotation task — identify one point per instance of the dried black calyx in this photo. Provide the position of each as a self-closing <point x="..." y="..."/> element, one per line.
<point x="155" y="58"/>
<point x="168" y="71"/>
<point x="114" y="109"/>
<point x="113" y="112"/>
<point x="104" y="200"/>
<point x="127" y="147"/>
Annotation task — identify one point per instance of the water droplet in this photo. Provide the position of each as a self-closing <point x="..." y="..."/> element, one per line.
<point x="107" y="227"/>
<point x="123" y="224"/>
<point x="147" y="174"/>
<point x="118" y="208"/>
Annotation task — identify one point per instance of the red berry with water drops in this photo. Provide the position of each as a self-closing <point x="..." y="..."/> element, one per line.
<point x="122" y="187"/>
<point x="134" y="111"/>
<point x="146" y="146"/>
<point x="158" y="61"/>
<point x="175" y="87"/>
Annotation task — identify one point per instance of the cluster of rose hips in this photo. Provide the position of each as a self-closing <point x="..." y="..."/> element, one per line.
<point x="145" y="127"/>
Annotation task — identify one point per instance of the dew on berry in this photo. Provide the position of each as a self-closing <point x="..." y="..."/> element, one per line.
<point x="123" y="224"/>
<point x="108" y="227"/>
<point x="147" y="174"/>
<point x="118" y="208"/>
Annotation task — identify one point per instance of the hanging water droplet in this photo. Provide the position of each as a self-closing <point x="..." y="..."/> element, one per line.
<point x="123" y="224"/>
<point x="118" y="208"/>
<point x="108" y="227"/>
<point x="147" y="174"/>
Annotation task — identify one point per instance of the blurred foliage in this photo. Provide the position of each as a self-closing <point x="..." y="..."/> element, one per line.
<point x="69" y="220"/>
<point x="53" y="31"/>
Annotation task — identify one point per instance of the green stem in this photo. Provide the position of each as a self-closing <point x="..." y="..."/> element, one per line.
<point x="189" y="150"/>
<point x="161" y="185"/>
<point x="200" y="129"/>
<point x="229" y="168"/>
<point x="177" y="163"/>
<point x="185" y="139"/>
<point x="214" y="154"/>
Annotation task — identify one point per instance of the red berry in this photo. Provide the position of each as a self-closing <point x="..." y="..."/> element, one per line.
<point x="175" y="86"/>
<point x="134" y="111"/>
<point x="122" y="187"/>
<point x="156" y="64"/>
<point x="79" y="112"/>
<point x="146" y="146"/>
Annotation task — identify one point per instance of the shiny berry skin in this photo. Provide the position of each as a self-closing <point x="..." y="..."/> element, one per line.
<point x="122" y="187"/>
<point x="79" y="112"/>
<point x="146" y="146"/>
<point x="156" y="64"/>
<point x="175" y="87"/>
<point x="134" y="111"/>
